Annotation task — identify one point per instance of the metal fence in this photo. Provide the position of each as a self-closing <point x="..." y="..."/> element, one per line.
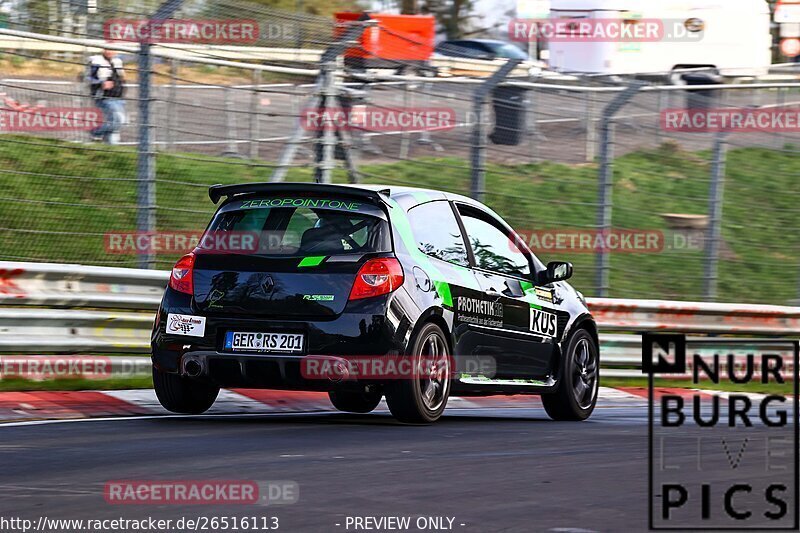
<point x="551" y="153"/>
<point x="45" y="312"/>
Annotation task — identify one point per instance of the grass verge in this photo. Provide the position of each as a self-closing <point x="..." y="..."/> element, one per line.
<point x="786" y="388"/>
<point x="75" y="384"/>
<point x="60" y="199"/>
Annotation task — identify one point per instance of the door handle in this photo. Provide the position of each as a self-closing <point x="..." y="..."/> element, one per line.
<point x="493" y="293"/>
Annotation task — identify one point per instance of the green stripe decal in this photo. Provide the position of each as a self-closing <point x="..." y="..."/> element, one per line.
<point x="530" y="294"/>
<point x="421" y="196"/>
<point x="403" y="226"/>
<point x="443" y="289"/>
<point x="311" y="261"/>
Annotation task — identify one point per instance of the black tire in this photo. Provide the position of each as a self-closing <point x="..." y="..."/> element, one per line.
<point x="576" y="395"/>
<point x="183" y="395"/>
<point x="422" y="400"/>
<point x="355" y="402"/>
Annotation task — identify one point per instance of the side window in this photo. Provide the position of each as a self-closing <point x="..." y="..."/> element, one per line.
<point x="493" y="250"/>
<point x="437" y="233"/>
<point x="475" y="50"/>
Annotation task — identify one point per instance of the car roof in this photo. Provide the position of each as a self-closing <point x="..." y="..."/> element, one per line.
<point x="488" y="41"/>
<point x="409" y="197"/>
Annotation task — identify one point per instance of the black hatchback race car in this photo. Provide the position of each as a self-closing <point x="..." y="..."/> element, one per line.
<point x="369" y="292"/>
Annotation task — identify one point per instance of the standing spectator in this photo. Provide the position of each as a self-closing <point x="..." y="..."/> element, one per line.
<point x="106" y="78"/>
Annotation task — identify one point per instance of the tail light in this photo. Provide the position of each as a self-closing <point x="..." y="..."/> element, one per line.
<point x="181" y="277"/>
<point x="377" y="277"/>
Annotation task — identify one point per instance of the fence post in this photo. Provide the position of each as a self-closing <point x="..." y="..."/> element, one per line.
<point x="478" y="151"/>
<point x="146" y="155"/>
<point x="255" y="129"/>
<point x="715" y="204"/>
<point x="659" y="108"/>
<point x="146" y="158"/>
<point x="325" y="151"/>
<point x="425" y="138"/>
<point x="534" y="133"/>
<point x="405" y="138"/>
<point x="478" y="145"/>
<point x="230" y="123"/>
<point x="780" y="101"/>
<point x="172" y="104"/>
<point x="591" y="128"/>
<point x="606" y="181"/>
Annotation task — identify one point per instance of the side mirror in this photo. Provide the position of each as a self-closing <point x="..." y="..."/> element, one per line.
<point x="556" y="271"/>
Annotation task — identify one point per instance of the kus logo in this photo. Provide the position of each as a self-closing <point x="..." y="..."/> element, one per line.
<point x="722" y="456"/>
<point x="544" y="323"/>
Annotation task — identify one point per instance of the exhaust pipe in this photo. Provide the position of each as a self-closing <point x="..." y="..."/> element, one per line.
<point x="192" y="368"/>
<point x="341" y="372"/>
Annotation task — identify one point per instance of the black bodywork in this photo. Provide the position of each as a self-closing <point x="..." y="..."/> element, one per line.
<point x="249" y="292"/>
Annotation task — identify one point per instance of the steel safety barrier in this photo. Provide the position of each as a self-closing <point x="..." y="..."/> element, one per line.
<point x="49" y="308"/>
<point x="223" y="54"/>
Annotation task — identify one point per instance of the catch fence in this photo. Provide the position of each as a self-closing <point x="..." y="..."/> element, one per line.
<point x="567" y="160"/>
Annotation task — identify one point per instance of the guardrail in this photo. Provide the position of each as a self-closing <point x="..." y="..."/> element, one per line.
<point x="225" y="55"/>
<point x="58" y="285"/>
<point x="60" y="308"/>
<point x="247" y="56"/>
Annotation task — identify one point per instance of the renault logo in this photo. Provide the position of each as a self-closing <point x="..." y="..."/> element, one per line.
<point x="267" y="283"/>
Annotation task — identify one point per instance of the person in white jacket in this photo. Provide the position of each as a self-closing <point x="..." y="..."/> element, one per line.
<point x="106" y="78"/>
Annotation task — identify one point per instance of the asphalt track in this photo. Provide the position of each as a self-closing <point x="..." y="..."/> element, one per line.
<point x="507" y="469"/>
<point x="504" y="470"/>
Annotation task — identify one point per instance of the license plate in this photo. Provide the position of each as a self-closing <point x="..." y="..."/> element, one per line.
<point x="249" y="341"/>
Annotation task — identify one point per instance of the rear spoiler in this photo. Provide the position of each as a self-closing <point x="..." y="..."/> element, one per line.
<point x="215" y="192"/>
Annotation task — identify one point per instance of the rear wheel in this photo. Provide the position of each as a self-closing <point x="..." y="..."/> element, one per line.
<point x="576" y="395"/>
<point x="183" y="395"/>
<point x="422" y="398"/>
<point x="355" y="402"/>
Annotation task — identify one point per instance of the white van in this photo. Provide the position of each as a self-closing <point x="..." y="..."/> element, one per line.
<point x="735" y="37"/>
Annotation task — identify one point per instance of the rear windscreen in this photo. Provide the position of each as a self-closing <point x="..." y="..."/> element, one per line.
<point x="301" y="227"/>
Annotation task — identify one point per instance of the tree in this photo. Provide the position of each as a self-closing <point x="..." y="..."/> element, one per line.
<point x="408" y="7"/>
<point x="451" y="15"/>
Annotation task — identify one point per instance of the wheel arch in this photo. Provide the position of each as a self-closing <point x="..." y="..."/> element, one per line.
<point x="432" y="315"/>
<point x="585" y="321"/>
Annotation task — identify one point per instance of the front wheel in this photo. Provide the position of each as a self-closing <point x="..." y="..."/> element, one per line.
<point x="355" y="402"/>
<point x="422" y="397"/>
<point x="183" y="395"/>
<point x="576" y="395"/>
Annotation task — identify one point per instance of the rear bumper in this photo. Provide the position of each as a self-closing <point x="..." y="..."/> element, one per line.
<point x="259" y="371"/>
<point x="363" y="329"/>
